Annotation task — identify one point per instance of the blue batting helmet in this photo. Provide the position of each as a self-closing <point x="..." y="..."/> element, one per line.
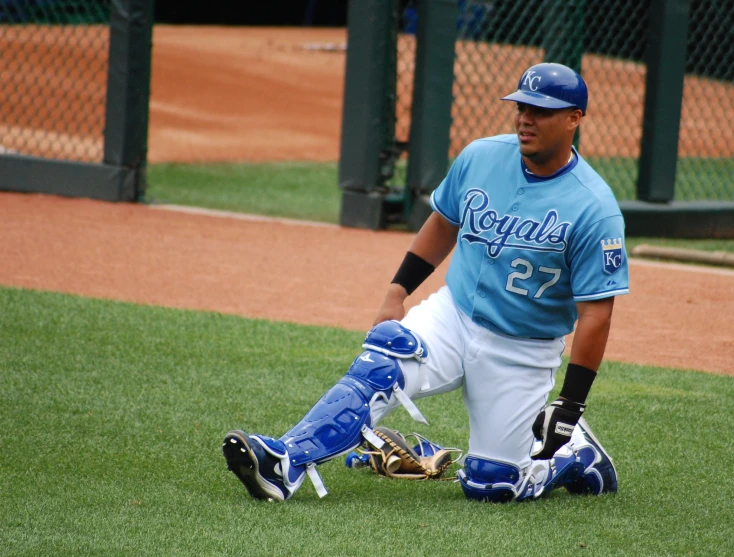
<point x="551" y="86"/>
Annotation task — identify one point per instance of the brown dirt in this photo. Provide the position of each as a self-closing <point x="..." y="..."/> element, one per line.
<point x="257" y="94"/>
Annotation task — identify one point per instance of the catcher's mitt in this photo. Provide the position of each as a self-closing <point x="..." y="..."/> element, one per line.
<point x="396" y="458"/>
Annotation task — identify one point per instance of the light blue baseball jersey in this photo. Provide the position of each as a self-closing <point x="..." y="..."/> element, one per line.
<point x="528" y="247"/>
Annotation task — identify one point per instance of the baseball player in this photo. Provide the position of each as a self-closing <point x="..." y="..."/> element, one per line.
<point x="538" y="242"/>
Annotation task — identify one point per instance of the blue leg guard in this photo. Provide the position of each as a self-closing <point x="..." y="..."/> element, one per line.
<point x="501" y="482"/>
<point x="582" y="466"/>
<point x="489" y="480"/>
<point x="350" y="409"/>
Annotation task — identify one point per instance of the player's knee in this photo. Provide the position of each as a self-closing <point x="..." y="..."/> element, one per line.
<point x="378" y="371"/>
<point x="489" y="480"/>
<point x="394" y="339"/>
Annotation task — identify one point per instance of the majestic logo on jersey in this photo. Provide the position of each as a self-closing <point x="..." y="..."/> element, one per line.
<point x="509" y="231"/>
<point x="611" y="252"/>
<point x="531" y="80"/>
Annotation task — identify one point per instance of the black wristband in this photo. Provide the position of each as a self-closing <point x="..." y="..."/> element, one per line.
<point x="412" y="272"/>
<point x="577" y="384"/>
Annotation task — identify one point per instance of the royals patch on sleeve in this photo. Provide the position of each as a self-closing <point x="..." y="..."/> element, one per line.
<point x="612" y="254"/>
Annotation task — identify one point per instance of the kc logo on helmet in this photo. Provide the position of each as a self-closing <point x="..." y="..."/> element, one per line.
<point x="611" y="251"/>
<point x="530" y="80"/>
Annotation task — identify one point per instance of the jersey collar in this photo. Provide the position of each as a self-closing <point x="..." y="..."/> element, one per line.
<point x="533" y="178"/>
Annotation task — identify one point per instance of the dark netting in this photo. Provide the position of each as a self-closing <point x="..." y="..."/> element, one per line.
<point x="498" y="41"/>
<point x="53" y="77"/>
<point x="406" y="69"/>
<point x="705" y="168"/>
<point x="606" y="40"/>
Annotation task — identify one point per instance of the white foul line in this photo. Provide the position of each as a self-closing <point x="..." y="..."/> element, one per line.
<point x="682" y="267"/>
<point x="241" y="216"/>
<point x="296" y="222"/>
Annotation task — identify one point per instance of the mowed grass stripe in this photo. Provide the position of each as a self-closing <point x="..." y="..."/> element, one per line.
<point x="113" y="414"/>
<point x="309" y="191"/>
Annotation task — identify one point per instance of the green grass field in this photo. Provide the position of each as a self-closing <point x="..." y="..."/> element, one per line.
<point x="113" y="414"/>
<point x="299" y="190"/>
<point x="302" y="191"/>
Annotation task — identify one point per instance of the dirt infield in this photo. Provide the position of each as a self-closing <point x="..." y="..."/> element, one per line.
<point x="263" y="95"/>
<point x="259" y="94"/>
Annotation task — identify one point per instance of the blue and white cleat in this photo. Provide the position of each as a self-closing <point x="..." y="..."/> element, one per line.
<point x="599" y="475"/>
<point x="261" y="463"/>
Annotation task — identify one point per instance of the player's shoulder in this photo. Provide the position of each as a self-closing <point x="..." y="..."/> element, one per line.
<point x="506" y="144"/>
<point x="506" y="141"/>
<point x="595" y="187"/>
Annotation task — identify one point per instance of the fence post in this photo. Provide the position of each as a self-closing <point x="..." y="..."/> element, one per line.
<point x="666" y="58"/>
<point x="430" y="115"/>
<point x="368" y="117"/>
<point x="128" y="88"/>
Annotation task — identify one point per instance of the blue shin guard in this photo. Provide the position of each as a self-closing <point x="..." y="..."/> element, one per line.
<point x="501" y="482"/>
<point x="350" y="409"/>
<point x="582" y="466"/>
<point x="489" y="480"/>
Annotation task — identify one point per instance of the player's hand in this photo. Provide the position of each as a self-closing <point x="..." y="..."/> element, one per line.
<point x="393" y="305"/>
<point x="554" y="426"/>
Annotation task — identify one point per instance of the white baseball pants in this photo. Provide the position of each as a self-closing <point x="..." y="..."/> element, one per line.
<point x="505" y="380"/>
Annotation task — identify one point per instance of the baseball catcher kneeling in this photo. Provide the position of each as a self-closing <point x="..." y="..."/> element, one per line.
<point x="536" y="245"/>
<point x="343" y="419"/>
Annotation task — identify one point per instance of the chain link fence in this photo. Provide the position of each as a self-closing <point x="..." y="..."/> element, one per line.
<point x="706" y="144"/>
<point x="53" y="78"/>
<point x="406" y="21"/>
<point x="497" y="40"/>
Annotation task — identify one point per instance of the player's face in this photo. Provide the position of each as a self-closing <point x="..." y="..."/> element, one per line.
<point x="545" y="135"/>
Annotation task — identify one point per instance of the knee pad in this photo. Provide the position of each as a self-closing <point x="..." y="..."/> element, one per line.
<point x="489" y="480"/>
<point x="583" y="469"/>
<point x="337" y="423"/>
<point x="392" y="339"/>
<point x="501" y="482"/>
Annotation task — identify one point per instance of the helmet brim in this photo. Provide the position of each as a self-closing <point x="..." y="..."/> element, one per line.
<point x="537" y="99"/>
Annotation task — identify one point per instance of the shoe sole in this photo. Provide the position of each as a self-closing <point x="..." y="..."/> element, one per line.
<point x="243" y="463"/>
<point x="587" y="429"/>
